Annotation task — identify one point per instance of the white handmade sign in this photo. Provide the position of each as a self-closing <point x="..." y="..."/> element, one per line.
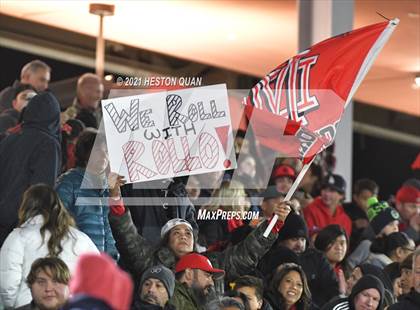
<point x="169" y="134"/>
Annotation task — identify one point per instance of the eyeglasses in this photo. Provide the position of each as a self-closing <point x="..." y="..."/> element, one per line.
<point x="411" y="250"/>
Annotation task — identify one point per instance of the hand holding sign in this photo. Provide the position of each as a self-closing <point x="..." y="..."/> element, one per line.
<point x="115" y="181"/>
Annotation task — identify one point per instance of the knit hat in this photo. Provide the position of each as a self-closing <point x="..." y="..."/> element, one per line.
<point x="284" y="171"/>
<point x="275" y="257"/>
<point x="380" y="214"/>
<point x="294" y="227"/>
<point x="364" y="283"/>
<point x="335" y="182"/>
<point x="161" y="273"/>
<point x="173" y="223"/>
<point x="408" y="193"/>
<point x="99" y="277"/>
<point x="388" y="244"/>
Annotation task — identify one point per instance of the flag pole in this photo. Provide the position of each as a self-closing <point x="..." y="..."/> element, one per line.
<point x="289" y="195"/>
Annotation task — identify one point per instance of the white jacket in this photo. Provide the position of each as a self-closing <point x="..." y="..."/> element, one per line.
<point x="22" y="247"/>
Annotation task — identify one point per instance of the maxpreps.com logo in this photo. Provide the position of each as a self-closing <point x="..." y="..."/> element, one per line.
<point x="204" y="214"/>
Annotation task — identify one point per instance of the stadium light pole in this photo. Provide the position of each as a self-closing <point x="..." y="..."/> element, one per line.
<point x="101" y="10"/>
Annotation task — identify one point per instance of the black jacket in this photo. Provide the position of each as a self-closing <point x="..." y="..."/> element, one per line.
<point x="322" y="280"/>
<point x="338" y="303"/>
<point x="411" y="301"/>
<point x="29" y="156"/>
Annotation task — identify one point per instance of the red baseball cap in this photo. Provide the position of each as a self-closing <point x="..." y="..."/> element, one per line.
<point x="408" y="194"/>
<point x="284" y="171"/>
<point x="197" y="261"/>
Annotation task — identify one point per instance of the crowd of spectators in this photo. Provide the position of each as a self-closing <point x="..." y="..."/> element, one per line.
<point x="73" y="235"/>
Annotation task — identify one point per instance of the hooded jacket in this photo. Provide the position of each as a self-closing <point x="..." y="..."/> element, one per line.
<point x="30" y="156"/>
<point x="98" y="277"/>
<point x="318" y="215"/>
<point x="347" y="303"/>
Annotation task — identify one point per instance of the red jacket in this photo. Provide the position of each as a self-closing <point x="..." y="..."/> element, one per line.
<point x="317" y="216"/>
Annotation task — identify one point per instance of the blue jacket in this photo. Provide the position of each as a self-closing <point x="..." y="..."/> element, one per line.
<point x="89" y="206"/>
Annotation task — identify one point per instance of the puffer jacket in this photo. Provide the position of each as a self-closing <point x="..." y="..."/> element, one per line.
<point x="29" y="156"/>
<point x="86" y="197"/>
<point x="22" y="247"/>
<point x="236" y="260"/>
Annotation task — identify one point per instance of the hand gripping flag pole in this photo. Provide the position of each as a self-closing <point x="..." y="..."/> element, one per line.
<point x="289" y="195"/>
<point x="305" y="97"/>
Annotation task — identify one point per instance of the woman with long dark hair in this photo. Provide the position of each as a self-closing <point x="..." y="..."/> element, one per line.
<point x="45" y="229"/>
<point x="289" y="290"/>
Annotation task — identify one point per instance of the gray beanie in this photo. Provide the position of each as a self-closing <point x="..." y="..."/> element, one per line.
<point x="161" y="273"/>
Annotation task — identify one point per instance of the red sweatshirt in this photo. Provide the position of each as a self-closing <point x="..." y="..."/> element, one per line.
<point x="318" y="215"/>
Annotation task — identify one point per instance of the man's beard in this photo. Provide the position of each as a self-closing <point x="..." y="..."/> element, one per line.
<point x="150" y="299"/>
<point x="201" y="297"/>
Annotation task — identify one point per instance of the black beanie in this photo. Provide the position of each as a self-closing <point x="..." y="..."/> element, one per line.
<point x="294" y="227"/>
<point x="364" y="283"/>
<point x="380" y="214"/>
<point x="275" y="257"/>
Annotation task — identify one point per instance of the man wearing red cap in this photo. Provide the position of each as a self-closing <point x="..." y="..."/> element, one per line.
<point x="195" y="277"/>
<point x="283" y="177"/>
<point x="408" y="205"/>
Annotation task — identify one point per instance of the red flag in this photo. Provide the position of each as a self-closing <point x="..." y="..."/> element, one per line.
<point x="295" y="109"/>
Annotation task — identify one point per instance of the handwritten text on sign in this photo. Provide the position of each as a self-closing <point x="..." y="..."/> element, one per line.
<point x="168" y="134"/>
